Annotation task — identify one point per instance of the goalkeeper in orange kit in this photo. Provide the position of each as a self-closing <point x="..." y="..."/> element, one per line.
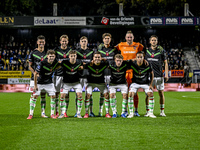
<point x="129" y="50"/>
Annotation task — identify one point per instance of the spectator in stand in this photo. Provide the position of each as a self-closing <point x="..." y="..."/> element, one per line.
<point x="7" y="64"/>
<point x="175" y="58"/>
<point x="179" y="57"/>
<point x="186" y="70"/>
<point x="181" y="67"/>
<point x="2" y="64"/>
<point x="7" y="56"/>
<point x="25" y="65"/>
<point x="20" y="67"/>
<point x="183" y="58"/>
<point x="11" y="53"/>
<point x="16" y="52"/>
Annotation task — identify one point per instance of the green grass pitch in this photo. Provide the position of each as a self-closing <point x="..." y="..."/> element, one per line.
<point x="179" y="130"/>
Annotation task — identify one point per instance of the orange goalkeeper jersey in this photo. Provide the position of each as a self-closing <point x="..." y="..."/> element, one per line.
<point x="129" y="51"/>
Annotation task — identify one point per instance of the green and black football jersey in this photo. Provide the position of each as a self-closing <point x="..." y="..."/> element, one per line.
<point x="141" y="73"/>
<point x="108" y="54"/>
<point x="60" y="56"/>
<point x="35" y="58"/>
<point x="96" y="72"/>
<point x="45" y="71"/>
<point x="71" y="72"/>
<point x="156" y="58"/>
<point x="118" y="74"/>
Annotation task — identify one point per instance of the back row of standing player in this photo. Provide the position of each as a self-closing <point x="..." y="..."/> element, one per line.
<point x="155" y="56"/>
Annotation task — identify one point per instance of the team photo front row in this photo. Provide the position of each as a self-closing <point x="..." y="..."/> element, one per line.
<point x="77" y="74"/>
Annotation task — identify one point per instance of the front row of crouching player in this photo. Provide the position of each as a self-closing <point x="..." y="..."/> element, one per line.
<point x="72" y="67"/>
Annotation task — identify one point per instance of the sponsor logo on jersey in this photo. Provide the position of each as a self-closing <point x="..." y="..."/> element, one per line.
<point x="96" y="75"/>
<point x="71" y="73"/>
<point x="118" y="73"/>
<point x="48" y="73"/>
<point x="131" y="52"/>
<point x="139" y="76"/>
<point x="152" y="59"/>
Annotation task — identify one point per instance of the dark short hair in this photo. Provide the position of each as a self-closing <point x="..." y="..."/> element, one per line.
<point x="153" y="36"/>
<point x="50" y="51"/>
<point x="140" y="52"/>
<point x="97" y="52"/>
<point x="72" y="52"/>
<point x="41" y="37"/>
<point x="119" y="56"/>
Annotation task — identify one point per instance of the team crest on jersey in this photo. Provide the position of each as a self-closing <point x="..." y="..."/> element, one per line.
<point x="107" y="54"/>
<point x="51" y="70"/>
<point x="72" y="69"/>
<point x="84" y="56"/>
<point x="97" y="71"/>
<point x="42" y="58"/>
<point x="134" y="47"/>
<point x="139" y="72"/>
<point x="64" y="56"/>
<point x="152" y="55"/>
<point x="118" y="70"/>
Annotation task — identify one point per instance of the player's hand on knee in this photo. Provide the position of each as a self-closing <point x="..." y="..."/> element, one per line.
<point x="35" y="89"/>
<point x="146" y="62"/>
<point x="151" y="87"/>
<point x="166" y="79"/>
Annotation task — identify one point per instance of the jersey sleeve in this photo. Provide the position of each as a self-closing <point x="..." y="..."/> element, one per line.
<point x="140" y="48"/>
<point x="150" y="68"/>
<point x="30" y="58"/>
<point x="38" y="68"/>
<point x="164" y="56"/>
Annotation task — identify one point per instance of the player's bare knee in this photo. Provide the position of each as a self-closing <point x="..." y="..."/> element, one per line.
<point x="131" y="94"/>
<point x="125" y="96"/>
<point x="79" y="95"/>
<point x="150" y="94"/>
<point x="112" y="95"/>
<point x="161" y="93"/>
<point x="62" y="96"/>
<point x="35" y="96"/>
<point x="88" y="96"/>
<point x="53" y="96"/>
<point x="106" y="95"/>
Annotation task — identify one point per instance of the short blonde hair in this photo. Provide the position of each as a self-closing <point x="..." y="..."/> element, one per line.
<point x="83" y="37"/>
<point x="64" y="36"/>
